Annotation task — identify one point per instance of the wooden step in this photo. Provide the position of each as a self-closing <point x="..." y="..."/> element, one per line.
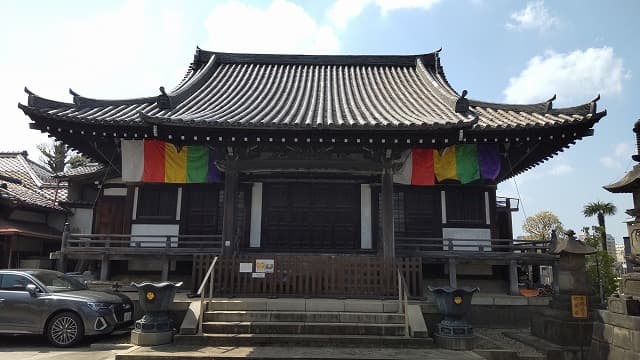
<point x="303" y="340"/>
<point x="299" y="316"/>
<point x="314" y="328"/>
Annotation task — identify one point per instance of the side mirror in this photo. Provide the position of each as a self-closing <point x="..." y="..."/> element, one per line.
<point x="32" y="290"/>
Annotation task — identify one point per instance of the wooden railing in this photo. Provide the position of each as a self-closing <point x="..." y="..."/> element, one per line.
<point x="313" y="275"/>
<point x="403" y="304"/>
<point x="415" y="245"/>
<point x="209" y="278"/>
<point x="138" y="244"/>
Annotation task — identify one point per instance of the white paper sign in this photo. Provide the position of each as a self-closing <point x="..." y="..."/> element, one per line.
<point x="246" y="267"/>
<point x="258" y="275"/>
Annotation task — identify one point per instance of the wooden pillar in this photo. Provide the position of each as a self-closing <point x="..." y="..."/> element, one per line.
<point x="453" y="273"/>
<point x="388" y="241"/>
<point x="164" y="276"/>
<point x="513" y="278"/>
<point x="12" y="245"/>
<point x="228" y="224"/>
<point x="62" y="260"/>
<point x="104" y="267"/>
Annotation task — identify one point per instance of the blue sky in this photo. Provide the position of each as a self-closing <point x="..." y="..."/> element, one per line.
<point x="502" y="51"/>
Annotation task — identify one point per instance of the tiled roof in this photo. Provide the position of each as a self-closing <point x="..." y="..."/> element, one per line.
<point x="630" y="182"/>
<point x="25" y="182"/>
<point x="90" y="168"/>
<point x="10" y="227"/>
<point x="222" y="90"/>
<point x="16" y="193"/>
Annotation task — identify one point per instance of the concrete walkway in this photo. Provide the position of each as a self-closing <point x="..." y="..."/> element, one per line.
<point x="274" y="352"/>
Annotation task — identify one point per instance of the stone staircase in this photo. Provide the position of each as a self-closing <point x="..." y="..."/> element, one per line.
<point x="307" y="322"/>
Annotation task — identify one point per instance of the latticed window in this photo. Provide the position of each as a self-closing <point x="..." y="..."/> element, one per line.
<point x="157" y="202"/>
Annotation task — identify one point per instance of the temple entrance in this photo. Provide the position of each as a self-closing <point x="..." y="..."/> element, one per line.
<point x="311" y="217"/>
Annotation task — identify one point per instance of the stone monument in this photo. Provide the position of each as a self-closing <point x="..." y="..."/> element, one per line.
<point x="616" y="331"/>
<point x="568" y="321"/>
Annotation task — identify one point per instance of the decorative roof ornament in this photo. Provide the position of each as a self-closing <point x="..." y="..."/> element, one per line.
<point x="462" y="104"/>
<point x="636" y="129"/>
<point x="593" y="106"/>
<point x="549" y="103"/>
<point x="164" y="101"/>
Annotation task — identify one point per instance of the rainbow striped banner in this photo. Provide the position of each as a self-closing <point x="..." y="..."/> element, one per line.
<point x="157" y="161"/>
<point x="464" y="163"/>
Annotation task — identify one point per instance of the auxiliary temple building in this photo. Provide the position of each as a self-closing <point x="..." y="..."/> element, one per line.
<point x="340" y="169"/>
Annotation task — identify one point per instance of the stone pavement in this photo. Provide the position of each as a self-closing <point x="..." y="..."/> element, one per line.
<point x="37" y="348"/>
<point x="307" y="353"/>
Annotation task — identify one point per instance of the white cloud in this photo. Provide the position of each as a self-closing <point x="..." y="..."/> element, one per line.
<point x="112" y="54"/>
<point x="619" y="156"/>
<point x="342" y="11"/>
<point x="388" y="5"/>
<point x="609" y="162"/>
<point x="533" y="17"/>
<point x="561" y="169"/>
<point x="576" y="77"/>
<point x="282" y="27"/>
<point x="624" y="150"/>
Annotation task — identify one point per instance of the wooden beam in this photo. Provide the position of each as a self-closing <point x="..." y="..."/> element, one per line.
<point x="388" y="242"/>
<point x="62" y="260"/>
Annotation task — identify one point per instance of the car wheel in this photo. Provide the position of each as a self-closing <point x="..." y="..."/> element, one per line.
<point x="65" y="329"/>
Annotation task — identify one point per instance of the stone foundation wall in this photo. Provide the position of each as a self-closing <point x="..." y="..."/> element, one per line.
<point x="615" y="336"/>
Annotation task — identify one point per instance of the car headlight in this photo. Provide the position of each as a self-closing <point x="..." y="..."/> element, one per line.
<point x="126" y="306"/>
<point x="96" y="306"/>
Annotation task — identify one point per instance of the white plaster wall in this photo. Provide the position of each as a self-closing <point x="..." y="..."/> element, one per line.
<point x="477" y="236"/>
<point x="154" y="229"/>
<point x="81" y="221"/>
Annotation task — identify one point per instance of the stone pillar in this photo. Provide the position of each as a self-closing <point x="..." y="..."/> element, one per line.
<point x="228" y="222"/>
<point x="453" y="273"/>
<point x="166" y="262"/>
<point x="388" y="241"/>
<point x="104" y="268"/>
<point x="513" y="278"/>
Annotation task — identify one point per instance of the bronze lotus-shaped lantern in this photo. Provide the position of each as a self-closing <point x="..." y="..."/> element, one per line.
<point x="454" y="304"/>
<point x="155" y="299"/>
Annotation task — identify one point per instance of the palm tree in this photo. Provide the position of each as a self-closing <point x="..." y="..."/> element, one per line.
<point x="600" y="209"/>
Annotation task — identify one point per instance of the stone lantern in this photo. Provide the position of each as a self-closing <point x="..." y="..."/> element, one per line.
<point x="568" y="320"/>
<point x="156" y="326"/>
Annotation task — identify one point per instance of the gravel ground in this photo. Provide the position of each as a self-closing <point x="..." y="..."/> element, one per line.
<point x="495" y="339"/>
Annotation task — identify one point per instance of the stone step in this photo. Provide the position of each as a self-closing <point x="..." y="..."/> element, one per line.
<point x="318" y="328"/>
<point x="308" y="317"/>
<point x="300" y="305"/>
<point x="239" y="340"/>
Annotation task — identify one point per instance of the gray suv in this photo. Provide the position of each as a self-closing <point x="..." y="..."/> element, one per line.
<point x="58" y="306"/>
